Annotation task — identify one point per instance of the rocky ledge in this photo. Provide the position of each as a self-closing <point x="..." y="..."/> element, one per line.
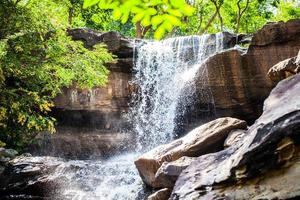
<point x="261" y="162"/>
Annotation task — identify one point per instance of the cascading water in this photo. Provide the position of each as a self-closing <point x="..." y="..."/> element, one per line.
<point x="164" y="74"/>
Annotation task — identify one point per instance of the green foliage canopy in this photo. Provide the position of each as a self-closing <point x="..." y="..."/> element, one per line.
<point x="37" y="59"/>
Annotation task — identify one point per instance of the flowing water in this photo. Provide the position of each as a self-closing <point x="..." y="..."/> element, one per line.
<point x="165" y="71"/>
<point x="164" y="74"/>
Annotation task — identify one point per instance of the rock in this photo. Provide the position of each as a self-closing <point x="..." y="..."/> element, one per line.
<point x="270" y="144"/>
<point x="277" y="32"/>
<point x="116" y="43"/>
<point x="207" y="138"/>
<point x="285" y="69"/>
<point x="168" y="173"/>
<point x="236" y="80"/>
<point x="10" y="153"/>
<point x="72" y="143"/>
<point x="30" y="175"/>
<point x="234" y="137"/>
<point x="162" y="194"/>
<point x="100" y="107"/>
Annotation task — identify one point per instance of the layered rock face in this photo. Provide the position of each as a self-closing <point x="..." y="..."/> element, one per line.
<point x="261" y="165"/>
<point x="237" y="78"/>
<point x="90" y="121"/>
<point x="101" y="107"/>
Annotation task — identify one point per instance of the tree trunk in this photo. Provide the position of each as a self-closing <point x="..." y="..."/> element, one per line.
<point x="139" y="31"/>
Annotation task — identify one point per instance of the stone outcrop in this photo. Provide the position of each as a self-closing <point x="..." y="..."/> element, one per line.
<point x="237" y="77"/>
<point x="261" y="165"/>
<point x="100" y="107"/>
<point x="29" y="177"/>
<point x="168" y="173"/>
<point x="285" y="68"/>
<point x="234" y="137"/>
<point x="236" y="80"/>
<point x="162" y="194"/>
<point x="207" y="138"/>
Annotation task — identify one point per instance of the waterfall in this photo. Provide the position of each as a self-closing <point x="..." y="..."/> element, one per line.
<point x="164" y="74"/>
<point x="164" y="78"/>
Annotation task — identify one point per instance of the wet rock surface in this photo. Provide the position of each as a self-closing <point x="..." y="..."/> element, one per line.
<point x="29" y="178"/>
<point x="269" y="146"/>
<point x="204" y="139"/>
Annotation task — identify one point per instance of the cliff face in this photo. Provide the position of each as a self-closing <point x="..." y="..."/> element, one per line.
<point x="101" y="107"/>
<point x="238" y="78"/>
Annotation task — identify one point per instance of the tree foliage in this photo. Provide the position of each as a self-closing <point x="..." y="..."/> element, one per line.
<point x="37" y="59"/>
<point x="160" y="15"/>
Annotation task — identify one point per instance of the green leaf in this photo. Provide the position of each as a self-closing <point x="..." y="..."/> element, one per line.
<point x="156" y="20"/>
<point x="146" y="21"/>
<point x="177" y="3"/>
<point x="174" y="12"/>
<point x="173" y="20"/>
<point x="160" y="32"/>
<point x="125" y="17"/>
<point x="89" y="3"/>
<point x="117" y="14"/>
<point x="167" y="26"/>
<point x="188" y="10"/>
<point x="138" y="17"/>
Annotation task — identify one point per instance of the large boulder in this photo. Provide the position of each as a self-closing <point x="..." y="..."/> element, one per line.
<point x="271" y="145"/>
<point x="285" y="68"/>
<point x="27" y="176"/>
<point x="204" y="139"/>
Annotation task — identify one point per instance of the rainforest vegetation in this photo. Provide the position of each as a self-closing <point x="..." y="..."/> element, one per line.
<point x="38" y="58"/>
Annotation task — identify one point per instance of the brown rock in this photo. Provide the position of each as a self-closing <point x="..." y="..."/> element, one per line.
<point x="285" y="69"/>
<point x="269" y="144"/>
<point x="277" y="32"/>
<point x="100" y="107"/>
<point x="234" y="137"/>
<point x="204" y="139"/>
<point x="162" y="194"/>
<point x="236" y="78"/>
<point x="168" y="173"/>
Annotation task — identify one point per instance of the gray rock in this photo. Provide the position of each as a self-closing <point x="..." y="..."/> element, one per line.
<point x="269" y="145"/>
<point x="207" y="138"/>
<point x="168" y="173"/>
<point x="162" y="194"/>
<point x="234" y="137"/>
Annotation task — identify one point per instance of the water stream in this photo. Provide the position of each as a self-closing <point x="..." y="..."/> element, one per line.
<point x="164" y="74"/>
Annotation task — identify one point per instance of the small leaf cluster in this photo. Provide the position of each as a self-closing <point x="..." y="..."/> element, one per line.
<point x="160" y="15"/>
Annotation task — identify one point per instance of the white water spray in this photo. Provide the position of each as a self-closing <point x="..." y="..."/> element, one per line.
<point x="164" y="70"/>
